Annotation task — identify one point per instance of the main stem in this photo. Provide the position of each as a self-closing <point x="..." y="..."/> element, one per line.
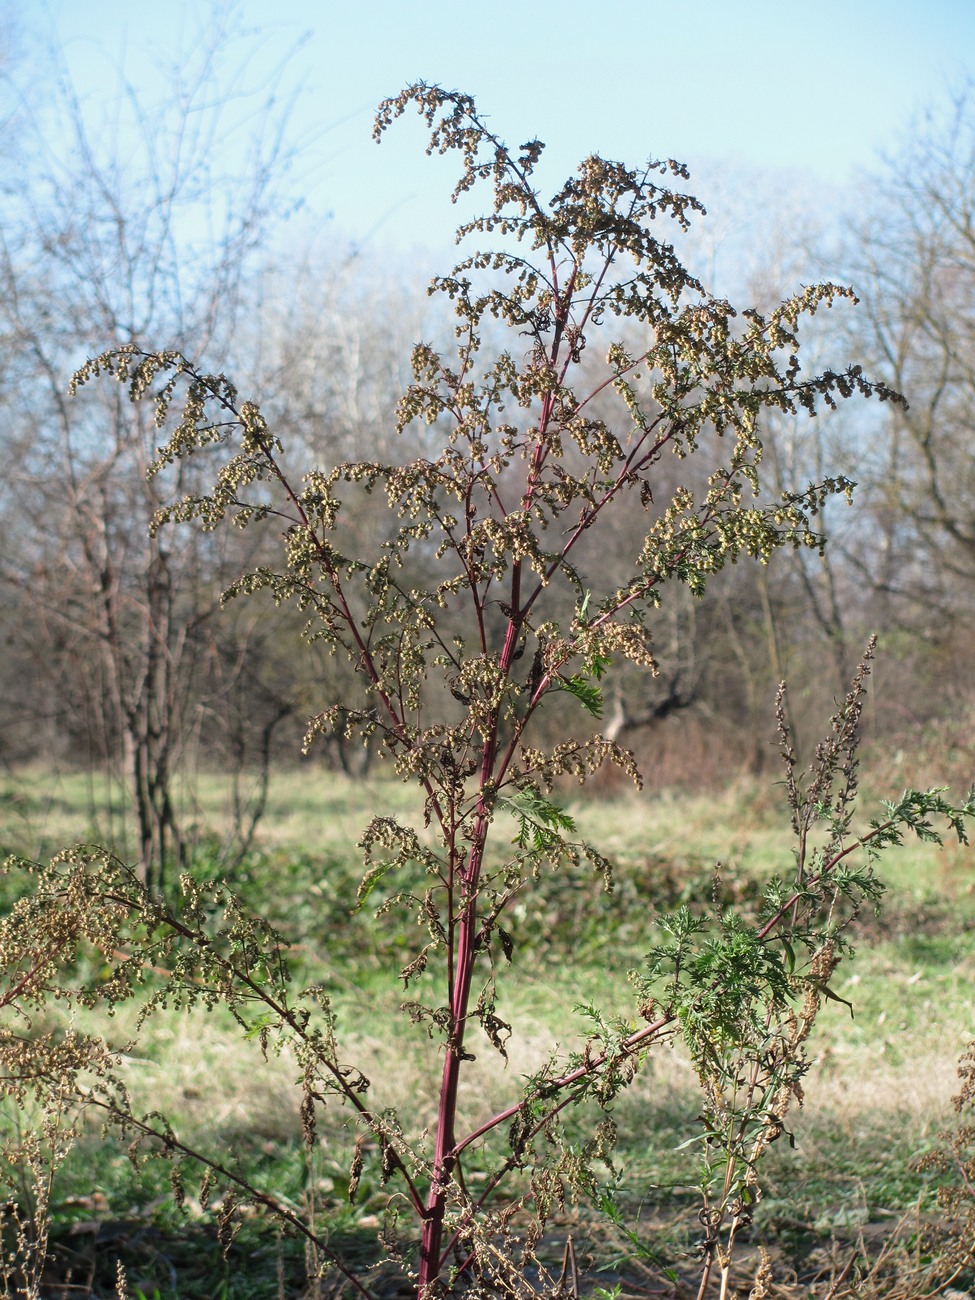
<point x="445" y="1158"/>
<point x="445" y="1147"/>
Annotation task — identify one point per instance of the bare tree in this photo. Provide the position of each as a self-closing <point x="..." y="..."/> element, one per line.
<point x="913" y="266"/>
<point x="122" y="236"/>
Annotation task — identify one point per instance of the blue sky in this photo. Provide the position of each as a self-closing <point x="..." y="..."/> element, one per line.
<point x="814" y="89"/>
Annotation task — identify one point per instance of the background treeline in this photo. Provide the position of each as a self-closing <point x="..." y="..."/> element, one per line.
<point x="165" y="226"/>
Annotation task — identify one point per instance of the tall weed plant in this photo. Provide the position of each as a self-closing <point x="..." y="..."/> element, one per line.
<point x="607" y="451"/>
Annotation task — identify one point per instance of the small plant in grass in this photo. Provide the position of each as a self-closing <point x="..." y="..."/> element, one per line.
<point x="492" y="598"/>
<point x="952" y="1242"/>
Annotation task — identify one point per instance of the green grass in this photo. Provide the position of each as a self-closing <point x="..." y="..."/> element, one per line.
<point x="877" y="1094"/>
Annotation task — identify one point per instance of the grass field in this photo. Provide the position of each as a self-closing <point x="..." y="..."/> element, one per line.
<point x="877" y="1095"/>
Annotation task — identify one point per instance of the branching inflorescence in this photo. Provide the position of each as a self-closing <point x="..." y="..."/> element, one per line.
<point x="487" y="600"/>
